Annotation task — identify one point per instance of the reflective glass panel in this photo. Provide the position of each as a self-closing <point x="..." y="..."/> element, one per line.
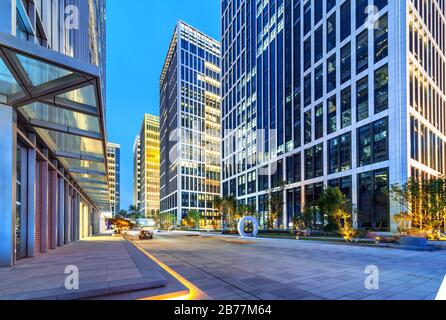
<point x="8" y="85"/>
<point x="69" y="143"/>
<point x="83" y="164"/>
<point x="59" y="116"/>
<point x="85" y="95"/>
<point x="40" y="72"/>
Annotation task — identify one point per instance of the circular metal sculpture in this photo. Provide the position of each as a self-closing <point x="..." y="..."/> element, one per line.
<point x="255" y="227"/>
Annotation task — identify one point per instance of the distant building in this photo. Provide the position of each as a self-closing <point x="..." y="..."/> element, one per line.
<point x="114" y="176"/>
<point x="147" y="169"/>
<point x="190" y="126"/>
<point x="136" y="171"/>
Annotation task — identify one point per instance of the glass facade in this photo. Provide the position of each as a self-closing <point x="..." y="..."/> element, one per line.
<point x="311" y="80"/>
<point x="190" y="129"/>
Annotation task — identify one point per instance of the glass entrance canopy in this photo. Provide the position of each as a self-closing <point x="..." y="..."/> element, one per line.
<point x="60" y="99"/>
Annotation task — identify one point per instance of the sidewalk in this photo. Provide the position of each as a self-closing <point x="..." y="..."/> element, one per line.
<point x="107" y="265"/>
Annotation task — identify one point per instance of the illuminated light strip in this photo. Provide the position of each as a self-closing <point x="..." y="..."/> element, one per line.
<point x="194" y="291"/>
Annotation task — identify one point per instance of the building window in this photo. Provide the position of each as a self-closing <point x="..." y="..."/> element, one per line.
<point x="318" y="11"/>
<point x="373" y="203"/>
<point x="346" y="26"/>
<point x="319" y="121"/>
<point x="414" y="138"/>
<point x="381" y="89"/>
<point x="241" y="185"/>
<point x="331" y="73"/>
<point x="346" y="107"/>
<point x="251" y="182"/>
<point x="361" y="12"/>
<point x="330" y="4"/>
<point x="318" y="44"/>
<point x="362" y="51"/>
<point x="307" y="90"/>
<point x="339" y="154"/>
<point x="362" y="99"/>
<point x="331" y="32"/>
<point x="307" y="54"/>
<point x="380" y="4"/>
<point x="318" y="82"/>
<point x="276" y="174"/>
<point x="307" y="17"/>
<point x="293" y="168"/>
<point x="381" y="39"/>
<point x="307" y="127"/>
<point x="346" y="63"/>
<point x="331" y="115"/>
<point x="314" y="162"/>
<point x="263" y="179"/>
<point x="373" y="143"/>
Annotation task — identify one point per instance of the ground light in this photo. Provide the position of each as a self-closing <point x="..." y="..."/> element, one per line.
<point x="193" y="293"/>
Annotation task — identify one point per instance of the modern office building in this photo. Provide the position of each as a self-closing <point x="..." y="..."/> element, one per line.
<point x="148" y="151"/>
<point x="347" y="93"/>
<point x="53" y="169"/>
<point x="190" y="125"/>
<point x="114" y="176"/>
<point x="136" y="171"/>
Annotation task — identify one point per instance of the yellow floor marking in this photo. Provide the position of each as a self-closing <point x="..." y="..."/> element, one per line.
<point x="194" y="291"/>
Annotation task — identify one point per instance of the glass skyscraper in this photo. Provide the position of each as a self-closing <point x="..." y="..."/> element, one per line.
<point x="190" y="126"/>
<point x="346" y="93"/>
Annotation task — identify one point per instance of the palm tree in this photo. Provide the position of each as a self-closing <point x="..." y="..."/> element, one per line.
<point x="133" y="212"/>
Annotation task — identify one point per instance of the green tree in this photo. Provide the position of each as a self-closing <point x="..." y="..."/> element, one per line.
<point x="334" y="205"/>
<point x="274" y="202"/>
<point x="123" y="214"/>
<point x="217" y="204"/>
<point x="193" y="218"/>
<point x="423" y="207"/>
<point x="229" y="205"/>
<point x="133" y="213"/>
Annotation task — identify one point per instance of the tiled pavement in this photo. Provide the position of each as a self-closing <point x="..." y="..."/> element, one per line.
<point x="227" y="269"/>
<point x="107" y="265"/>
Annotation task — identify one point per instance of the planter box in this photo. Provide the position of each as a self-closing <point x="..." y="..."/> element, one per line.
<point x="413" y="242"/>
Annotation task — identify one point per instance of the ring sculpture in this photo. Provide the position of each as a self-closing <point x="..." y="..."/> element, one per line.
<point x="255" y="227"/>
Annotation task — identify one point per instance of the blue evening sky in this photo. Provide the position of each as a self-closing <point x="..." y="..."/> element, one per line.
<point x="138" y="37"/>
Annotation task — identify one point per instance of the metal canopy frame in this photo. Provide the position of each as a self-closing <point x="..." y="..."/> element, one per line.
<point x="64" y="76"/>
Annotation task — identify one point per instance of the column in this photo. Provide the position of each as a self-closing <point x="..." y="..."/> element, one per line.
<point x="61" y="211"/>
<point x="8" y="158"/>
<point x="45" y="202"/>
<point x="31" y="197"/>
<point x="67" y="233"/>
<point x="54" y="208"/>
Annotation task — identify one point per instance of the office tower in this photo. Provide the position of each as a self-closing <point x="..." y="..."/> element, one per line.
<point x="136" y="171"/>
<point x="149" y="169"/>
<point x="114" y="176"/>
<point x="53" y="168"/>
<point x="344" y="93"/>
<point x="190" y="126"/>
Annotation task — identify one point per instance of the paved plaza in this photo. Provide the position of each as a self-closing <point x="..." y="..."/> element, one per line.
<point x="107" y="266"/>
<point x="230" y="268"/>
